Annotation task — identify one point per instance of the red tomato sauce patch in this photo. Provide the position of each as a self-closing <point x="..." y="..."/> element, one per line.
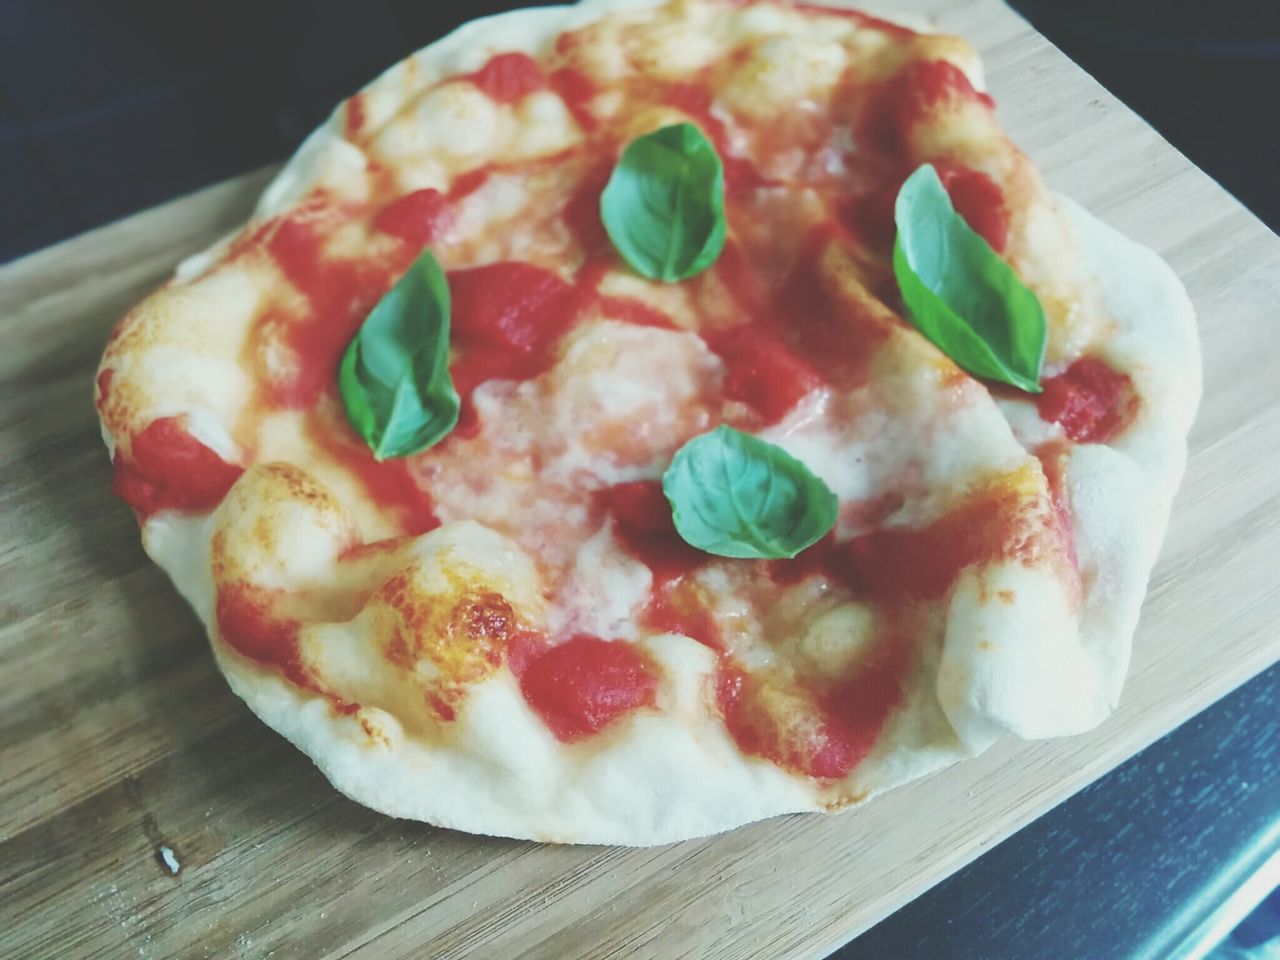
<point x="506" y="318"/>
<point x="340" y="293"/>
<point x="642" y="521"/>
<point x="1092" y="402"/>
<point x="900" y="562"/>
<point x="577" y="91"/>
<point x="510" y="305"/>
<point x="389" y="483"/>
<point x="509" y="77"/>
<point x="584" y="684"/>
<point x="168" y="469"/>
<point x="246" y="623"/>
<point x="420" y="217"/>
<point x="833" y="735"/>
<point x="908" y="99"/>
<point x="979" y="200"/>
<point x="762" y="372"/>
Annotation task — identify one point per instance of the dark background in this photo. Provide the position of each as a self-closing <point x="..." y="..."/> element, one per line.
<point x="108" y="106"/>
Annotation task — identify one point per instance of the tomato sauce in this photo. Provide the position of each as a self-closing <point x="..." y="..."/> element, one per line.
<point x="421" y="217"/>
<point x="924" y="562"/>
<point x="507" y="317"/>
<point x="809" y="562"/>
<point x="389" y="483"/>
<point x="900" y="105"/>
<point x="582" y="213"/>
<point x="762" y="372"/>
<point x="869" y="216"/>
<point x="104" y="386"/>
<point x="577" y="90"/>
<point x="676" y="607"/>
<point x="857" y="708"/>
<point x="739" y="279"/>
<point x="509" y="77"/>
<point x="1053" y="457"/>
<point x="168" y="469"/>
<point x="523" y="647"/>
<point x="584" y="684"/>
<point x="1091" y="401"/>
<point x="894" y="563"/>
<point x="480" y="364"/>
<point x="979" y="200"/>
<point x="355" y="116"/>
<point x="587" y="297"/>
<point x="695" y="101"/>
<point x="469" y="182"/>
<point x="636" y="312"/>
<point x="642" y="521"/>
<point x="339" y="292"/>
<point x="248" y="625"/>
<point x="512" y="306"/>
<point x="836" y="335"/>
<point x="828" y="732"/>
<point x="928" y="83"/>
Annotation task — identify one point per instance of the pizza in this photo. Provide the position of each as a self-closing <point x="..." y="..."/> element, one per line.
<point x="627" y="421"/>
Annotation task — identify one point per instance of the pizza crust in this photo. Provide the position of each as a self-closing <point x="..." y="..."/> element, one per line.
<point x="503" y="772"/>
<point x="1122" y="494"/>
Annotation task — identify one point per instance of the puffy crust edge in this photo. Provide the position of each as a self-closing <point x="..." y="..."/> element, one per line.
<point x="1120" y="498"/>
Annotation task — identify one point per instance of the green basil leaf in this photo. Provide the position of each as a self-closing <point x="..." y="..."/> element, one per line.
<point x="663" y="207"/>
<point x="960" y="293"/>
<point x="735" y="495"/>
<point x="394" y="377"/>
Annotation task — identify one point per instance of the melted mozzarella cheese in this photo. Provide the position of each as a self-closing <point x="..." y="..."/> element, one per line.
<point x="623" y="398"/>
<point x="604" y="592"/>
<point x="834" y="642"/>
<point x="784" y="73"/>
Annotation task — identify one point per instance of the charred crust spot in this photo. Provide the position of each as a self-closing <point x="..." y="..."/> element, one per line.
<point x="398" y="651"/>
<point x="485" y="617"/>
<point x="463" y="633"/>
<point x="264" y="533"/>
<point x="398" y="593"/>
<point x="218" y="554"/>
<point x="373" y="730"/>
<point x="293" y="483"/>
<point x="849" y="800"/>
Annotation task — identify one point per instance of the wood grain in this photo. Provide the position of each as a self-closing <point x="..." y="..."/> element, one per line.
<point x="117" y="734"/>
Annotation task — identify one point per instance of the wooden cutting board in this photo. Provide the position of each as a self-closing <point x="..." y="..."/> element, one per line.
<point x="118" y="737"/>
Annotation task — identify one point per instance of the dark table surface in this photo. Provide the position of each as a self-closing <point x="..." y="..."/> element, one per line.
<point x="1129" y="867"/>
<point x="107" y="108"/>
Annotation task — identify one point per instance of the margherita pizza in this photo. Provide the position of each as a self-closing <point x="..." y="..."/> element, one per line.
<point x="622" y="422"/>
